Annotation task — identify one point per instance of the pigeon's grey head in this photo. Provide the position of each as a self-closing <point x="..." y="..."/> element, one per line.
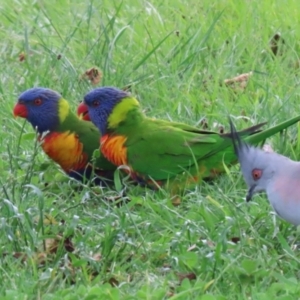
<point x="257" y="166"/>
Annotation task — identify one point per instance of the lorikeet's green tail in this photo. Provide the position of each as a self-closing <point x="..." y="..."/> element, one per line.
<point x="262" y="135"/>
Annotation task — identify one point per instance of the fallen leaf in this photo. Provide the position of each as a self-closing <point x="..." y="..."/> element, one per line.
<point x="97" y="257"/>
<point x="209" y="243"/>
<point x="52" y="244"/>
<point x="49" y="220"/>
<point x="22" y="56"/>
<point x="94" y="75"/>
<point x="239" y="81"/>
<point x="275" y="43"/>
<point x="20" y="255"/>
<point x="203" y="123"/>
<point x="41" y="258"/>
<point x="118" y="200"/>
<point x="113" y="282"/>
<point x="176" y="201"/>
<point x="235" y="239"/>
<point x="193" y="247"/>
<point x="69" y="245"/>
<point x="182" y="276"/>
<point x="69" y="271"/>
<point x="170" y="294"/>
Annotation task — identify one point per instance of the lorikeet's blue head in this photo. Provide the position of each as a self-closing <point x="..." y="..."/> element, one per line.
<point x="101" y="103"/>
<point x="40" y="106"/>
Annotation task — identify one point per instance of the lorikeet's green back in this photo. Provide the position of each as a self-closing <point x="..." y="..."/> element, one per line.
<point x="167" y="153"/>
<point x="65" y="138"/>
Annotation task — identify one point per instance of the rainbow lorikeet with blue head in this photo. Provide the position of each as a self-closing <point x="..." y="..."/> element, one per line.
<point x="66" y="139"/>
<point x="158" y="152"/>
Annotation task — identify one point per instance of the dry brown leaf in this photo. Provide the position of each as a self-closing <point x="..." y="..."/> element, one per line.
<point x="203" y="123"/>
<point x="191" y="248"/>
<point x="69" y="245"/>
<point x="170" y="294"/>
<point x="41" y="258"/>
<point x="209" y="243"/>
<point x="113" y="282"/>
<point x="52" y="244"/>
<point x="275" y="43"/>
<point x="239" y="81"/>
<point x="94" y="75"/>
<point x="20" y="255"/>
<point x="182" y="276"/>
<point x="22" y="56"/>
<point x="48" y="220"/>
<point x="176" y="201"/>
<point x="97" y="257"/>
<point x="235" y="239"/>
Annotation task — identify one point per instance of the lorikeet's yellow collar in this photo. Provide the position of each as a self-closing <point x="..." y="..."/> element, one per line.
<point x="63" y="109"/>
<point x="120" y="111"/>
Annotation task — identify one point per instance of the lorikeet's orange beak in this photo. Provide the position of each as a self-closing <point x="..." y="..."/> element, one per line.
<point x="20" y="110"/>
<point x="83" y="112"/>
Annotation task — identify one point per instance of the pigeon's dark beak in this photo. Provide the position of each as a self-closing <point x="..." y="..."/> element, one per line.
<point x="250" y="193"/>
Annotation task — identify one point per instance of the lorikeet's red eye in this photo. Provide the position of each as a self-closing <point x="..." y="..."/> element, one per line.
<point x="96" y="103"/>
<point x="256" y="174"/>
<point x="37" y="101"/>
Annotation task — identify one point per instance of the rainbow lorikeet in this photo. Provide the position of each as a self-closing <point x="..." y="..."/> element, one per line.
<point x="65" y="138"/>
<point x="158" y="152"/>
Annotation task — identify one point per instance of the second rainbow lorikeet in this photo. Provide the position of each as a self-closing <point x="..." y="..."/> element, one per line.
<point x="158" y="152"/>
<point x="66" y="139"/>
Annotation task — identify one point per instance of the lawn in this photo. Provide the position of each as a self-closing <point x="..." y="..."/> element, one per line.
<point x="64" y="240"/>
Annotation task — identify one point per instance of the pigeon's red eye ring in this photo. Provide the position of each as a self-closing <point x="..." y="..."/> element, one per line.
<point x="256" y="174"/>
<point x="37" y="101"/>
<point x="96" y="103"/>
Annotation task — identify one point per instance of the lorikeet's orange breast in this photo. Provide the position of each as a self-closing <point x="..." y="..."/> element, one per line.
<point x="66" y="150"/>
<point x="114" y="149"/>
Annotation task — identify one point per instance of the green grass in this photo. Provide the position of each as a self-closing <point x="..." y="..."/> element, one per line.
<point x="165" y="50"/>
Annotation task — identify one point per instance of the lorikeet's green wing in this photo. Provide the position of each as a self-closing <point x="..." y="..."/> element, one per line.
<point x="164" y="152"/>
